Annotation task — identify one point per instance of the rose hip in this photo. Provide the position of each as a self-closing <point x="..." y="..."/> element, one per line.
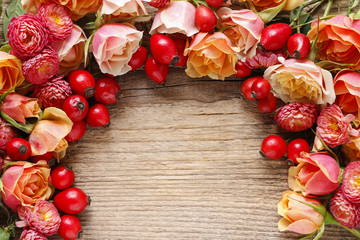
<point x="299" y="45"/>
<point x="138" y="59"/>
<point x="18" y="149"/>
<point x="98" y="116"/>
<point x="107" y="91"/>
<point x="273" y="147"/>
<point x="275" y="36"/>
<point x="268" y="104"/>
<point x="82" y="83"/>
<point x="70" y="227"/>
<point x="242" y="70"/>
<point x="246" y="87"/>
<point x="62" y="177"/>
<point x="295" y="147"/>
<point x="215" y="3"/>
<point x="163" y="49"/>
<point x="260" y="88"/>
<point x="77" y="131"/>
<point x="71" y="201"/>
<point x="46" y="156"/>
<point x="180" y="46"/>
<point x="76" y="107"/>
<point x="155" y="70"/>
<point x="205" y="19"/>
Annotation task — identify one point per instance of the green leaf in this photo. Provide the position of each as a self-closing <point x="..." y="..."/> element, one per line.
<point x="4" y="235"/>
<point x="320" y="209"/>
<point x="6" y="48"/>
<point x="27" y="128"/>
<point x="14" y="9"/>
<point x="320" y="232"/>
<point x="86" y="51"/>
<point x="331" y="65"/>
<point x="268" y="14"/>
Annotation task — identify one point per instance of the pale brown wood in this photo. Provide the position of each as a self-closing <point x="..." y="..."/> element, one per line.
<point x="181" y="162"/>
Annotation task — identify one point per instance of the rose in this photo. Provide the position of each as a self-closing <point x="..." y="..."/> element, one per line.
<point x="31" y="234"/>
<point x="20" y="107"/>
<point x="317" y="174"/>
<point x="212" y="55"/>
<point x="176" y="17"/>
<point x="338" y="40"/>
<point x="10" y="72"/>
<point x="71" y="52"/>
<point x="301" y="81"/>
<point x="25" y="183"/>
<point x="48" y="133"/>
<point x="113" y="46"/>
<point x="351" y="151"/>
<point x="245" y="29"/>
<point x="297" y="216"/>
<point x="125" y="9"/>
<point x="265" y="4"/>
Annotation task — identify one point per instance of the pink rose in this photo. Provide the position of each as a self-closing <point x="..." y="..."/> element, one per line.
<point x="20" y="107"/>
<point x="32" y="234"/>
<point x="176" y="17"/>
<point x="113" y="46"/>
<point x="71" y="51"/>
<point x="25" y="183"/>
<point x="301" y="80"/>
<point x="316" y="174"/>
<point x="124" y="9"/>
<point x="245" y="31"/>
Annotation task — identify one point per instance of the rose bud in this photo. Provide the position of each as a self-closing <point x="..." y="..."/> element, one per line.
<point x="296" y="117"/>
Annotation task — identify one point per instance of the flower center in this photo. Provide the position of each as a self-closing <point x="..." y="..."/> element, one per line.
<point x="56" y="18"/>
<point x="334" y="126"/>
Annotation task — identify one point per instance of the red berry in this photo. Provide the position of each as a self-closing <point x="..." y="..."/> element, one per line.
<point x="205" y="19"/>
<point x="138" y="59"/>
<point x="62" y="177"/>
<point x="107" y="91"/>
<point x="275" y="36"/>
<point x="18" y="149"/>
<point x="76" y="107"/>
<point x="242" y="70"/>
<point x="299" y="45"/>
<point x="77" y="131"/>
<point x="273" y="147"/>
<point x="215" y="3"/>
<point x="46" y="156"/>
<point x="82" y="83"/>
<point x="71" y="201"/>
<point x="260" y="88"/>
<point x="163" y="49"/>
<point x="156" y="70"/>
<point x="295" y="147"/>
<point x="98" y="116"/>
<point x="180" y="46"/>
<point x="246" y="87"/>
<point x="70" y="227"/>
<point x="267" y="104"/>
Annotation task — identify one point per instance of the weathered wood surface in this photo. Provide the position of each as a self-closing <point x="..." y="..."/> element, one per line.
<point x="181" y="162"/>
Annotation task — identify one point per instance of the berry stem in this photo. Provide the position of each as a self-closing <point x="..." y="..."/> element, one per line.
<point x="328" y="8"/>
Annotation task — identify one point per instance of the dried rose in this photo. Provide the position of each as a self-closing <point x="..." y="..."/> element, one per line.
<point x="296" y="117"/>
<point x="265" y="59"/>
<point x="56" y="19"/>
<point x="351" y="185"/>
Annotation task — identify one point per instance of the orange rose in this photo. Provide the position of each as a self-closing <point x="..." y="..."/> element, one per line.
<point x="265" y="4"/>
<point x="351" y="151"/>
<point x="338" y="40"/>
<point x="212" y="55"/>
<point x="10" y="72"/>
<point x="25" y="183"/>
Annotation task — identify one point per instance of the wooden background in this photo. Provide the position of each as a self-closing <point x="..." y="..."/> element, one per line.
<point x="181" y="161"/>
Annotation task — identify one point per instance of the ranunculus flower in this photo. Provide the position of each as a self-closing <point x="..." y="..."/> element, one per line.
<point x="345" y="212"/>
<point x="42" y="67"/>
<point x="211" y="55"/>
<point x="113" y="46"/>
<point x="245" y="29"/>
<point x="19" y="107"/>
<point x="334" y="128"/>
<point x="265" y="4"/>
<point x="26" y="183"/>
<point x="351" y="151"/>
<point x="71" y="52"/>
<point x="297" y="216"/>
<point x="32" y="234"/>
<point x="265" y="59"/>
<point x="157" y="3"/>
<point x="49" y="131"/>
<point x="301" y="80"/>
<point x="56" y="19"/>
<point x="338" y="40"/>
<point x="125" y="9"/>
<point x="27" y="35"/>
<point x="351" y="186"/>
<point x="44" y="217"/>
<point x="176" y="17"/>
<point x="316" y="174"/>
<point x="10" y="72"/>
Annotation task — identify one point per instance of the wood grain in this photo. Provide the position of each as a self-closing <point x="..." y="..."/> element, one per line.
<point x="181" y="162"/>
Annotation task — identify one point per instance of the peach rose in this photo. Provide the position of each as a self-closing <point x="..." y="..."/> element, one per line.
<point x="125" y="9"/>
<point x="71" y="52"/>
<point x="301" y="80"/>
<point x="25" y="183"/>
<point x="48" y="133"/>
<point x="175" y="17"/>
<point x="297" y="216"/>
<point x="316" y="174"/>
<point x="113" y="45"/>
<point x="10" y="72"/>
<point x="19" y="107"/>
<point x="211" y="55"/>
<point x="265" y="4"/>
<point x="351" y="151"/>
<point x="246" y="32"/>
<point x="338" y="40"/>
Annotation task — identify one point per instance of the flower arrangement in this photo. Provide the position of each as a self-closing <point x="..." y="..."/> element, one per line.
<point x="47" y="78"/>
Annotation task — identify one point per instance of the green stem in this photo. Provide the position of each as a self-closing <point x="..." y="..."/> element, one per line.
<point x="328" y="8"/>
<point x="302" y="6"/>
<point x="322" y="18"/>
<point x="353" y="231"/>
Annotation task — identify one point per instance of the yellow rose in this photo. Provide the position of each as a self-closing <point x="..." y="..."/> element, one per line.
<point x="10" y="72"/>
